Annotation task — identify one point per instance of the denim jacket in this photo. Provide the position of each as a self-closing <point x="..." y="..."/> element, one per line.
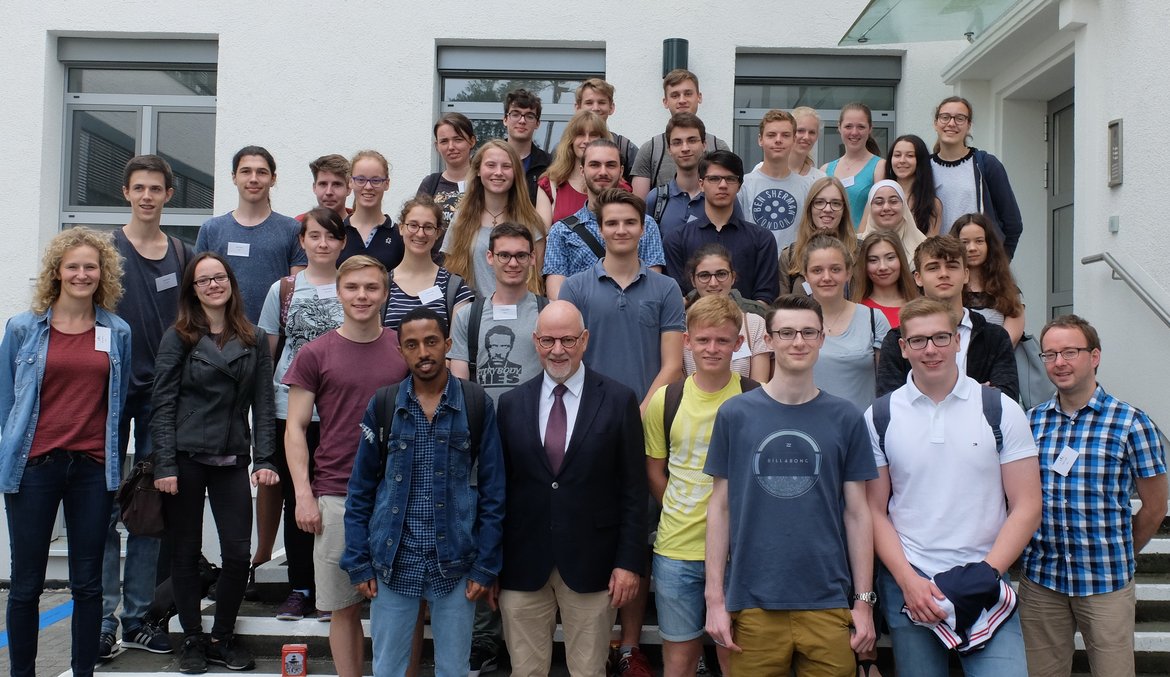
<point x="25" y="348"/>
<point x="469" y="510"/>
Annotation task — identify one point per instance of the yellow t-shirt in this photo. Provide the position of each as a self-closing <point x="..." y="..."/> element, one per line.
<point x="682" y="528"/>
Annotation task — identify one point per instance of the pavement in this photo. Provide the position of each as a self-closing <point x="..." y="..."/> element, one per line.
<point x="54" y="647"/>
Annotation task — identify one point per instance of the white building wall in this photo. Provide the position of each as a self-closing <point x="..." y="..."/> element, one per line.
<point x="302" y="79"/>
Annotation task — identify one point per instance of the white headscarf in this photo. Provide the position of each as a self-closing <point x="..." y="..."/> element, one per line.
<point x="907" y="231"/>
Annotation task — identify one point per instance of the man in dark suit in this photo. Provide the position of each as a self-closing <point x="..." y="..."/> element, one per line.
<point x="985" y="354"/>
<point x="574" y="535"/>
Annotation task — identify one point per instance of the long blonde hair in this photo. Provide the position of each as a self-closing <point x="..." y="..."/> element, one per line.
<point x="807" y="230"/>
<point x="565" y="156"/>
<point x="465" y="227"/>
<point x="109" y="288"/>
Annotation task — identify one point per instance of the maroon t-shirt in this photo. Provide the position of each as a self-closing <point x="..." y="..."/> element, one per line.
<point x="73" y="397"/>
<point x="343" y="375"/>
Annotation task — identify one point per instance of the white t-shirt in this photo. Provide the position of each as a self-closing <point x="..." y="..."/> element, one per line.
<point x="775" y="204"/>
<point x="946" y="491"/>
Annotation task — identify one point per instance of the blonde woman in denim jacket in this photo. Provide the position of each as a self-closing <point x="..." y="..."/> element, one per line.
<point x="62" y="388"/>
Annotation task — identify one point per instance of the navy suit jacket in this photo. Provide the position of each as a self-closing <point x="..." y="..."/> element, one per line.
<point x="590" y="517"/>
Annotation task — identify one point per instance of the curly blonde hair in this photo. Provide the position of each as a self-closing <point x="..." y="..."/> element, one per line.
<point x="109" y="289"/>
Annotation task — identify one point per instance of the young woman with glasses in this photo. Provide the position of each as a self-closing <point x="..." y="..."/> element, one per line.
<point x="496" y="193"/>
<point x="213" y="368"/>
<point x="63" y="384"/>
<point x="969" y="180"/>
<point x="712" y="273"/>
<point x="861" y="165"/>
<point x="826" y="212"/>
<point x="847" y="366"/>
<point x="369" y="230"/>
<point x="882" y="279"/>
<point x="991" y="288"/>
<point x="419" y="281"/>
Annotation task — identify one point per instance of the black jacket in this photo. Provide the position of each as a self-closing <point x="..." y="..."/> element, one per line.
<point x="990" y="359"/>
<point x="201" y="400"/>
<point x="538" y="161"/>
<point x="591" y="516"/>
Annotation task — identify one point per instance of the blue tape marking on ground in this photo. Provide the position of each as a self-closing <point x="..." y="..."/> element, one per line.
<point x="57" y="613"/>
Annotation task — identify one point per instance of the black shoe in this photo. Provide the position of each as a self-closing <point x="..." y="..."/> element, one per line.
<point x="148" y="638"/>
<point x="107" y="645"/>
<point x="252" y="592"/>
<point x="229" y="653"/>
<point x="193" y="655"/>
<point x="484" y="658"/>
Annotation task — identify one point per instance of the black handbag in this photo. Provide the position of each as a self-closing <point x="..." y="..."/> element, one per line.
<point x="141" y="503"/>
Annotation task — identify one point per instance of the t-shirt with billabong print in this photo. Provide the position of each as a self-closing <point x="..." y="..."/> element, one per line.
<point x="775" y="204"/>
<point x="505" y="355"/>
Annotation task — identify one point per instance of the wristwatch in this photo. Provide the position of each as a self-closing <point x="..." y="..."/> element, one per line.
<point x="869" y="598"/>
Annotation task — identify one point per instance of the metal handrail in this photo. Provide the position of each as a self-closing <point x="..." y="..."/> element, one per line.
<point x="1119" y="272"/>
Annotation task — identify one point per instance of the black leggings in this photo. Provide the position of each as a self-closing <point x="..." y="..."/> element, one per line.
<point x="298" y="545"/>
<point x="228" y="491"/>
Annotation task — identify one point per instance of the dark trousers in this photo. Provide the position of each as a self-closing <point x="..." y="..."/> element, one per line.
<point x="298" y="545"/>
<point x="80" y="482"/>
<point x="227" y="490"/>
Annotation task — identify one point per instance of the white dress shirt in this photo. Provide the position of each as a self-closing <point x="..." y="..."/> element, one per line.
<point x="572" y="399"/>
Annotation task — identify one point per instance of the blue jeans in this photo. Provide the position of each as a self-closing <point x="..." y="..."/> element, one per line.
<point x="135" y="589"/>
<point x="80" y="482"/>
<point x="917" y="651"/>
<point x="678" y="594"/>
<point x="392" y="619"/>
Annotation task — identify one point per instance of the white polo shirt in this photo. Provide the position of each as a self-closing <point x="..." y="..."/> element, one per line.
<point x="946" y="492"/>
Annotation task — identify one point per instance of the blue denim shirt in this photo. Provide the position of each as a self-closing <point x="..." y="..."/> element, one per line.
<point x="24" y="349"/>
<point x="469" y="508"/>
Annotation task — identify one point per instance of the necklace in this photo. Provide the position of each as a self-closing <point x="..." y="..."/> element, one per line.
<point x="495" y="217"/>
<point x="831" y="326"/>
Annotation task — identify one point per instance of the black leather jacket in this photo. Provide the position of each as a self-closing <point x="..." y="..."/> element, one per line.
<point x="201" y="400"/>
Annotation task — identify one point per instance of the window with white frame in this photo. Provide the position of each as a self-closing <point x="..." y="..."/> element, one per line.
<point x="125" y="97"/>
<point x="824" y="82"/>
<point x="474" y="80"/>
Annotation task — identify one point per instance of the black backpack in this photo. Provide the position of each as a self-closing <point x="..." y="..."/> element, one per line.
<point x="384" y="404"/>
<point x="674" y="395"/>
<point x="992" y="413"/>
<point x="473" y="323"/>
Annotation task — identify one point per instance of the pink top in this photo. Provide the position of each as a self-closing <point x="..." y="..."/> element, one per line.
<point x="567" y="202"/>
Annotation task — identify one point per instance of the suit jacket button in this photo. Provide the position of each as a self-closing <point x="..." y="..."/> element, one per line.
<point x="555" y="485"/>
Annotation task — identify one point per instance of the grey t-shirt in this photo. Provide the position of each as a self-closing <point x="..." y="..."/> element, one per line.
<point x="775" y="204"/>
<point x="846" y="366"/>
<point x="505" y="355"/>
<point x="786" y="467"/>
<point x="654" y="162"/>
<point x="626" y="325"/>
<point x="259" y="255"/>
<point x="312" y="311"/>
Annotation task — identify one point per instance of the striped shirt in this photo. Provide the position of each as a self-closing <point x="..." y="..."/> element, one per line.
<point x="416" y="563"/>
<point x="400" y="303"/>
<point x="1085" y="542"/>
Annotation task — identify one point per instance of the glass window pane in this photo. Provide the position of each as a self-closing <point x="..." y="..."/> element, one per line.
<point x="187" y="141"/>
<point x="101" y="144"/>
<point x="142" y="81"/>
<point x="493" y="90"/>
<point x="747" y="145"/>
<point x="819" y="96"/>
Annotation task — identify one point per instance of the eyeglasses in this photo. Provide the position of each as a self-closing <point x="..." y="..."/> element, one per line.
<point x="832" y="205"/>
<point x="567" y="342"/>
<point x="940" y="340"/>
<point x="720" y="275"/>
<point x="220" y="280"/>
<point x="946" y="118"/>
<point x="426" y="228"/>
<point x="516" y="116"/>
<point x="519" y="257"/>
<point x="374" y="181"/>
<point x="790" y="334"/>
<point x="717" y="179"/>
<point x="1069" y="354"/>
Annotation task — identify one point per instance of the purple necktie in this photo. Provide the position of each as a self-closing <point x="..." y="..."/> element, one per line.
<point x="555" y="433"/>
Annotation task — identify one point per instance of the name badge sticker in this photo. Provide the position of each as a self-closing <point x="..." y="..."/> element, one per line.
<point x="807" y="288"/>
<point x="238" y="249"/>
<point x="744" y="351"/>
<point x="430" y="295"/>
<point x="504" y="312"/>
<point x="326" y="291"/>
<point x="1064" y="462"/>
<point x="168" y="281"/>
<point x="101" y="339"/>
<point x="847" y="181"/>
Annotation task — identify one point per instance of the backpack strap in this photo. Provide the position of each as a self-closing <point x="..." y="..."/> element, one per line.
<point x="657" y="143"/>
<point x="180" y="252"/>
<point x="385" y="400"/>
<point x="473" y="323"/>
<point x="287" y="287"/>
<point x="473" y="401"/>
<point x="993" y="413"/>
<point x="430" y="184"/>
<point x="674" y="395"/>
<point x="454" y="282"/>
<point x="881" y="419"/>
<point x="541" y="302"/>
<point x="660" y="200"/>
<point x="582" y="232"/>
